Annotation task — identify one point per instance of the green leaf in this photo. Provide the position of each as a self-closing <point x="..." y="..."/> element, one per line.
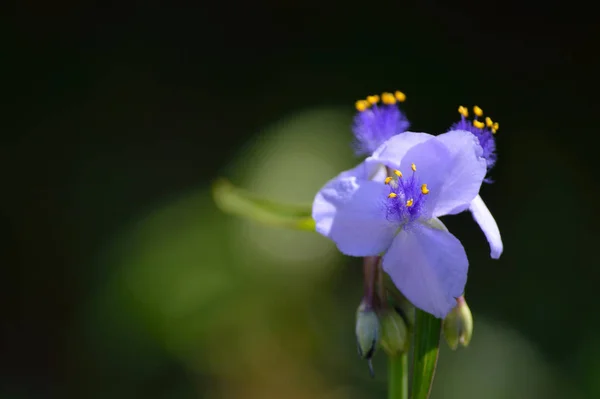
<point x="236" y="201"/>
<point x="426" y="346"/>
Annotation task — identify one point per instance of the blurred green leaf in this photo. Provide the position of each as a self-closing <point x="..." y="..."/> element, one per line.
<point x="427" y="346"/>
<point x="236" y="201"/>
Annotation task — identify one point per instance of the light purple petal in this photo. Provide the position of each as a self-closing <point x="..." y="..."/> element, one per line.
<point x="352" y="212"/>
<point x="429" y="266"/>
<point x="365" y="171"/>
<point x="486" y="221"/>
<point x="453" y="169"/>
<point x="465" y="173"/>
<point x="391" y="152"/>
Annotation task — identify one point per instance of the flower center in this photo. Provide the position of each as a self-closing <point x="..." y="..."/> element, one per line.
<point x="407" y="197"/>
<point x="483" y="130"/>
<point x="378" y="118"/>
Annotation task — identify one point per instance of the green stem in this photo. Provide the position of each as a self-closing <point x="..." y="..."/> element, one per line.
<point x="398" y="376"/>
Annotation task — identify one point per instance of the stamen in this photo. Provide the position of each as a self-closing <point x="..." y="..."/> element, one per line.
<point x="388" y="98"/>
<point x="392" y="195"/>
<point x="409" y="203"/>
<point x="495" y="127"/>
<point x="401" y="97"/>
<point x="488" y="121"/>
<point x="398" y="173"/>
<point x="477" y="111"/>
<point x="478" y="124"/>
<point x="374" y="99"/>
<point x="388" y="180"/>
<point x="463" y="111"/>
<point x="413" y="167"/>
<point x="424" y="189"/>
<point x="362" y="105"/>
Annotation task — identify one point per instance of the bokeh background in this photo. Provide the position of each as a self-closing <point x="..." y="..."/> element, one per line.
<point x="121" y="279"/>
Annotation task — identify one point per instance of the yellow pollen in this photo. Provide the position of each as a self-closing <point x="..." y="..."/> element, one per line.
<point x="463" y="111"/>
<point x="409" y="203"/>
<point x="373" y="99"/>
<point x="401" y="97"/>
<point x="495" y="127"/>
<point x="362" y="105"/>
<point x="424" y="189"/>
<point x="477" y="111"/>
<point x="392" y="195"/>
<point x="488" y="121"/>
<point x="413" y="167"/>
<point x="388" y="98"/>
<point x="478" y="124"/>
<point x="398" y="173"/>
<point x="388" y="180"/>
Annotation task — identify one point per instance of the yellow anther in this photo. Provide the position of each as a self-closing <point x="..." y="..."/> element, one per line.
<point x="478" y="124"/>
<point x="424" y="189"/>
<point x="463" y="111"/>
<point x="388" y="98"/>
<point x="362" y="105"/>
<point x="477" y="111"/>
<point x="398" y="173"/>
<point x="409" y="203"/>
<point x="413" y="167"/>
<point x="388" y="180"/>
<point x="495" y="127"/>
<point x="401" y="97"/>
<point x="392" y="195"/>
<point x="374" y="99"/>
<point x="488" y="121"/>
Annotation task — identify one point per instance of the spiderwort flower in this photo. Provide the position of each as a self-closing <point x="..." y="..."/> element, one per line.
<point x="378" y="119"/>
<point x="366" y="213"/>
<point x="484" y="131"/>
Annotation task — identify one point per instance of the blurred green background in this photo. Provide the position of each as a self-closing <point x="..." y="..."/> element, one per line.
<point x="121" y="279"/>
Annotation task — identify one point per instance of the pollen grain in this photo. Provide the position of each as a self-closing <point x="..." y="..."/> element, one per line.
<point x="374" y="99"/>
<point x="401" y="97"/>
<point x="362" y="105"/>
<point x="388" y="98"/>
<point x="478" y="124"/>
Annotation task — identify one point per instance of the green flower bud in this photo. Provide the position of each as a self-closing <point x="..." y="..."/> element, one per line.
<point x="367" y="332"/>
<point x="394" y="334"/>
<point x="458" y="325"/>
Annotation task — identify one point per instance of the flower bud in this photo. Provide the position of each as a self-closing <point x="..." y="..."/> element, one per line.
<point x="367" y="332"/>
<point x="458" y="325"/>
<point x="394" y="333"/>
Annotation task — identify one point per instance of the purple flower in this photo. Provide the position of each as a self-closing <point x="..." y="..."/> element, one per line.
<point x="366" y="212"/>
<point x="376" y="121"/>
<point x="484" y="131"/>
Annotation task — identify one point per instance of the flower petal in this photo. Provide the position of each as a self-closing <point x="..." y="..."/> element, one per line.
<point x="429" y="266"/>
<point x="486" y="221"/>
<point x="352" y="212"/>
<point x="453" y="175"/>
<point x="391" y="152"/>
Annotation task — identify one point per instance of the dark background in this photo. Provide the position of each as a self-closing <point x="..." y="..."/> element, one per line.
<point x="110" y="111"/>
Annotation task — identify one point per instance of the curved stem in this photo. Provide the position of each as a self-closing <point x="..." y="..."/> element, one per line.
<point x="398" y="376"/>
